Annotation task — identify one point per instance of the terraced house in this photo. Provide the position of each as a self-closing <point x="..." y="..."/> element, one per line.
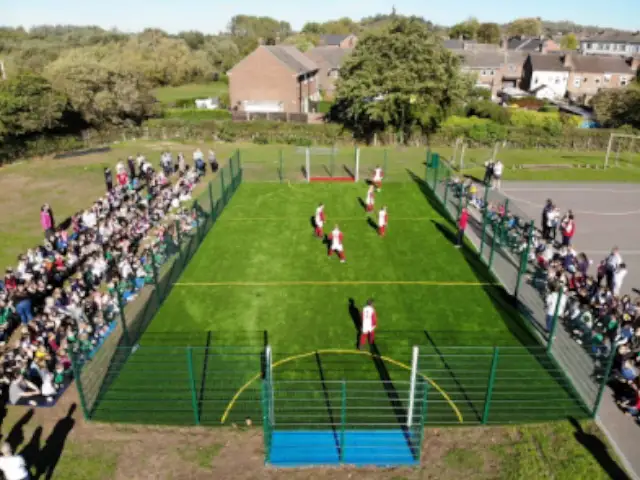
<point x="329" y="60"/>
<point x="611" y="43"/>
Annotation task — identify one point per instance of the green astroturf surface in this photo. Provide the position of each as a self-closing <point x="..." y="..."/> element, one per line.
<point x="251" y="281"/>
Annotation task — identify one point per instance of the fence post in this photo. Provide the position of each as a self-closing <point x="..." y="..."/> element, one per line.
<point x="123" y="318"/>
<point x="223" y="195"/>
<point x="605" y="378"/>
<point x="178" y="233"/>
<point x="281" y="170"/>
<point x="524" y="261"/>
<point x="76" y="375"/>
<point x="343" y="419"/>
<point x="436" y="157"/>
<point x="485" y="209"/>
<point x="495" y="240"/>
<point x="192" y="386"/>
<point x="554" y="324"/>
<point x="156" y="276"/>
<point x="490" y="384"/>
<point x="266" y="426"/>
<point x="213" y="206"/>
<point x="412" y="384"/>
<point x="386" y="163"/>
<point x="423" y="414"/>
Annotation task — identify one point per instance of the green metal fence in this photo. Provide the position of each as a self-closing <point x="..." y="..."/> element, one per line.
<point x="502" y="236"/>
<point x="165" y="260"/>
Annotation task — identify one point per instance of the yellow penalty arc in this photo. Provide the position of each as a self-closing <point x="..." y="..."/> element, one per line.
<point x="292" y="358"/>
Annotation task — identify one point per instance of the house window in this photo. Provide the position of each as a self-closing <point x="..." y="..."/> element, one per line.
<point x="557" y="80"/>
<point x="607" y="77"/>
<point x="334" y="73"/>
<point x="589" y="46"/>
<point x="624" y="81"/>
<point x="512" y="68"/>
<point x="597" y="80"/>
<point x="596" y="46"/>
<point x="535" y="80"/>
<point x="576" y="82"/>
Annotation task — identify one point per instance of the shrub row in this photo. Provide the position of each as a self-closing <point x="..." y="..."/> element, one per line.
<point x="476" y="132"/>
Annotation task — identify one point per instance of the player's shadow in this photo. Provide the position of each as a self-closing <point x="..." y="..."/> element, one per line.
<point x="312" y="221"/>
<point x="368" y="182"/>
<point x="371" y="222"/>
<point x="327" y="243"/>
<point x="327" y="401"/>
<point x="356" y="318"/>
<point x="362" y="204"/>
<point x="50" y="454"/>
<point x="31" y="451"/>
<point x="599" y="451"/>
<point x="16" y="434"/>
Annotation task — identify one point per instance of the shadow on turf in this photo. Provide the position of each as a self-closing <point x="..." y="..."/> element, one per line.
<point x="372" y="224"/>
<point x="598" y="450"/>
<point x="354" y="313"/>
<point x="327" y="401"/>
<point x="504" y="303"/>
<point x="41" y="460"/>
<point x="362" y="204"/>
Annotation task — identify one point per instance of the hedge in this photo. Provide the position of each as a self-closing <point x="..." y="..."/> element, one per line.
<point x="477" y="133"/>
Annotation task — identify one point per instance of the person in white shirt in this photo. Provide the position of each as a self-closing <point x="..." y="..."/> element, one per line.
<point x="497" y="174"/>
<point x="551" y="305"/>
<point x="612" y="263"/>
<point x="13" y="466"/>
<point x="618" y="278"/>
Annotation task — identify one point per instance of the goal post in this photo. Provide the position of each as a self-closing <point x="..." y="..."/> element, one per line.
<point x="331" y="164"/>
<point x="415" y="351"/>
<point x="623" y="150"/>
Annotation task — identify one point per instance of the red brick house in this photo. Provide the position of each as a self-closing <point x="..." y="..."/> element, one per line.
<point x="274" y="78"/>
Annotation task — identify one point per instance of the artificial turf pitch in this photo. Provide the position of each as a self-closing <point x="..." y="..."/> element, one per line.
<point x="261" y="277"/>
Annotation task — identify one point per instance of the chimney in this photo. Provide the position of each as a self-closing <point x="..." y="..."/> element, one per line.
<point x="566" y="60"/>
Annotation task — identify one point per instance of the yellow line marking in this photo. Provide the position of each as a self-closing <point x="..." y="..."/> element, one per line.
<point x="329" y="283"/>
<point x="341" y="352"/>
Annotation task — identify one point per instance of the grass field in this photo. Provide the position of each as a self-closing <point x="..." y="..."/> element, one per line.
<point x="260" y="274"/>
<point x="167" y="95"/>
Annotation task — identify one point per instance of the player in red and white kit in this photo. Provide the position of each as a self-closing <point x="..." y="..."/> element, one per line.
<point x="369" y="323"/>
<point x="383" y="220"/>
<point x="318" y="221"/>
<point x="370" y="198"/>
<point x="336" y="237"/>
<point x="378" y="175"/>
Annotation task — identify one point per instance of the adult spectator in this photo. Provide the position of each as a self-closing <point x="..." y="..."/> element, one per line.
<point x="612" y="263"/>
<point x="132" y="166"/>
<point x="22" y="300"/>
<point x="462" y="225"/>
<point x="548" y="207"/>
<point x="618" y="278"/>
<point x="568" y="229"/>
<point x="108" y="179"/>
<point x="13" y="467"/>
<point x="497" y="174"/>
<point x="488" y="173"/>
<point x="46" y="219"/>
<point x="554" y="303"/>
<point x="21" y="389"/>
<point x="213" y="162"/>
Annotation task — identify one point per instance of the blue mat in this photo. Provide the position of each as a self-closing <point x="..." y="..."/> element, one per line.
<point x="304" y="448"/>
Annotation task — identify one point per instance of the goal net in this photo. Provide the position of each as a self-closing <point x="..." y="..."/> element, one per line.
<point x="623" y="151"/>
<point x="330" y="164"/>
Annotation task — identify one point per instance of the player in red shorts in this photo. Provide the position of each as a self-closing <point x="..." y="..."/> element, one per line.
<point x="383" y="220"/>
<point x="378" y="175"/>
<point x="318" y="221"/>
<point x="370" y="198"/>
<point x="336" y="237"/>
<point x="369" y="323"/>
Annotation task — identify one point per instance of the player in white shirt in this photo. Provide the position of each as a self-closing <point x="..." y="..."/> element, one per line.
<point x="318" y="221"/>
<point x="370" y="198"/>
<point x="497" y="174"/>
<point x="383" y="220"/>
<point x="377" y="177"/>
<point x="369" y="323"/>
<point x="336" y="237"/>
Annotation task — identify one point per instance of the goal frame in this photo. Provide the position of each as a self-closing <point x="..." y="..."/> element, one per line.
<point x="612" y="137"/>
<point x="308" y="152"/>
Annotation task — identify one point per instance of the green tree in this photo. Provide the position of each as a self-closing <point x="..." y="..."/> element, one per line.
<point x="615" y="108"/>
<point x="489" y="33"/>
<point x="467" y="30"/>
<point x="527" y="27"/>
<point x="102" y="94"/>
<point x="303" y="41"/>
<point x="266" y="28"/>
<point x="312" y="28"/>
<point x="29" y="104"/>
<point x="569" y="42"/>
<point x="398" y="78"/>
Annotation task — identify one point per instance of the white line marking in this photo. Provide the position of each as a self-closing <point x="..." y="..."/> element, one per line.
<point x="582" y="212"/>
<point x="623" y="252"/>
